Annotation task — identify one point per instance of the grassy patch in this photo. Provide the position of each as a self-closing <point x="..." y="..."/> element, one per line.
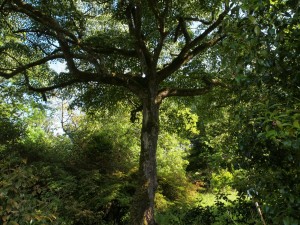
<point x="209" y="199"/>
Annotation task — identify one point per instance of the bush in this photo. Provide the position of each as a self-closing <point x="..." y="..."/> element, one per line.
<point x="221" y="181"/>
<point x="224" y="211"/>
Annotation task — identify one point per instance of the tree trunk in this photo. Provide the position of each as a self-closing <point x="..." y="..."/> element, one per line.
<point x="143" y="206"/>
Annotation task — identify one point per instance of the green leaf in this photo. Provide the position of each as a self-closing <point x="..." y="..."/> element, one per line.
<point x="290" y="221"/>
<point x="296" y="124"/>
<point x="273" y="2"/>
<point x="286" y="221"/>
<point x="257" y="30"/>
<point x="272" y="31"/>
<point x="13" y="223"/>
<point x="252" y="19"/>
<point x="271" y="133"/>
<point x="279" y="124"/>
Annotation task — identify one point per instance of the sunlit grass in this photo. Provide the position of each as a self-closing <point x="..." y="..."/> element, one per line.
<point x="208" y="199"/>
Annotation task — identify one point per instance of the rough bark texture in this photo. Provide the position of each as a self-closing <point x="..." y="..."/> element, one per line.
<point x="143" y="208"/>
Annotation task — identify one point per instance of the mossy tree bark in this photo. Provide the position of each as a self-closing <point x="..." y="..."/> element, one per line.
<point x="143" y="205"/>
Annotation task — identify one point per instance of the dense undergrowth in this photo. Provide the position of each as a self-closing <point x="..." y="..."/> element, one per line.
<point x="90" y="180"/>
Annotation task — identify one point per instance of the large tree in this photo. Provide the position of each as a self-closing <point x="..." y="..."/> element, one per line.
<point x="151" y="49"/>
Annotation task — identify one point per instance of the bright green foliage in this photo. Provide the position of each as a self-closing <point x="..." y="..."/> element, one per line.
<point x="212" y="153"/>
<point x="48" y="184"/>
<point x="223" y="211"/>
<point x="221" y="181"/>
<point x="10" y="123"/>
<point x="20" y="195"/>
<point x="280" y="125"/>
<point x="174" y="186"/>
<point x="96" y="141"/>
<point x="24" y="195"/>
<point x="89" y="175"/>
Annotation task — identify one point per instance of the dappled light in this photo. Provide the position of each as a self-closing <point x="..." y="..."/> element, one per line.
<point x="145" y="112"/>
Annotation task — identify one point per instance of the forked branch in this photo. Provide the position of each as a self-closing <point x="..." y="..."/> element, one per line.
<point x="194" y="47"/>
<point x="188" y="92"/>
<point x="23" y="68"/>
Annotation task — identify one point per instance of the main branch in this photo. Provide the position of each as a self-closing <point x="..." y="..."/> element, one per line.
<point x="193" y="48"/>
<point x="188" y="92"/>
<point x="30" y="65"/>
<point x="169" y="92"/>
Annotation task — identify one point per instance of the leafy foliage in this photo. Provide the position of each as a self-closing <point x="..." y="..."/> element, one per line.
<point x="87" y="176"/>
<point x="242" y="137"/>
<point x="223" y="211"/>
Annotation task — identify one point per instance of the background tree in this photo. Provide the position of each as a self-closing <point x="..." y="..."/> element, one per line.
<point x="140" y="46"/>
<point x="266" y="104"/>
